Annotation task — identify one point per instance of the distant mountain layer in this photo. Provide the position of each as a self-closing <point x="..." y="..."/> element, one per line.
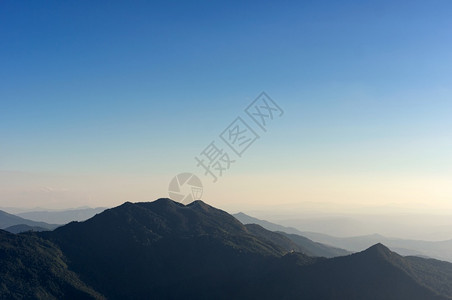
<point x="167" y="250"/>
<point x="302" y="243"/>
<point x="62" y="216"/>
<point x="24" y="228"/>
<point x="440" y="250"/>
<point x="294" y="242"/>
<point x="7" y="220"/>
<point x="246" y="219"/>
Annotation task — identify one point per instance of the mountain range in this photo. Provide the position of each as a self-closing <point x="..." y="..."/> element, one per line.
<point x="61" y="216"/>
<point x="434" y="249"/>
<point x="42" y="220"/>
<point x="167" y="250"/>
<point x="9" y="221"/>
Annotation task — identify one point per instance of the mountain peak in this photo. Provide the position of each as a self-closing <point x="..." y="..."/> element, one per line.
<point x="240" y="214"/>
<point x="380" y="247"/>
<point x="161" y="218"/>
<point x="379" y="250"/>
<point x="198" y="204"/>
<point x="165" y="201"/>
<point x="168" y="203"/>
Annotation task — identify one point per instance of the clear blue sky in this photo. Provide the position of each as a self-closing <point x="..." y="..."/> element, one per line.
<point x="141" y="87"/>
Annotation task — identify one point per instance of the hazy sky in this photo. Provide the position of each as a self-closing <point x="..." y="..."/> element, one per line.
<point x="103" y="102"/>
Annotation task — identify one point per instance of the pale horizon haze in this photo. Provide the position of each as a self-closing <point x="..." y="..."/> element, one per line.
<point x="102" y="103"/>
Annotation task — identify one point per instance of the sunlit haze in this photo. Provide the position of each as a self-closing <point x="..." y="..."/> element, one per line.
<point x="103" y="104"/>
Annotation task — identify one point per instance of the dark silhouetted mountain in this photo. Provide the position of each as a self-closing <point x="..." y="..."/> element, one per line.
<point x="276" y="238"/>
<point x="167" y="250"/>
<point x="33" y="268"/>
<point x="7" y="220"/>
<point x="24" y="228"/>
<point x="296" y="242"/>
<point x="62" y="216"/>
<point x="315" y="249"/>
<point x="162" y="248"/>
<point x="376" y="273"/>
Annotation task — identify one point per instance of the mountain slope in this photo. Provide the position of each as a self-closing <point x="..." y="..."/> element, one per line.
<point x="302" y="244"/>
<point x="376" y="273"/>
<point x="315" y="249"/>
<point x="32" y="268"/>
<point x="276" y="238"/>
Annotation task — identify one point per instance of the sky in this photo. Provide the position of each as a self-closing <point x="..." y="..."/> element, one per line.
<point x="103" y="102"/>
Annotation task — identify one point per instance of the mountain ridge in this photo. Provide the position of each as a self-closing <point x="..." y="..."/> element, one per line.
<point x="438" y="250"/>
<point x="61" y="216"/>
<point x="174" y="251"/>
<point x="8" y="220"/>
